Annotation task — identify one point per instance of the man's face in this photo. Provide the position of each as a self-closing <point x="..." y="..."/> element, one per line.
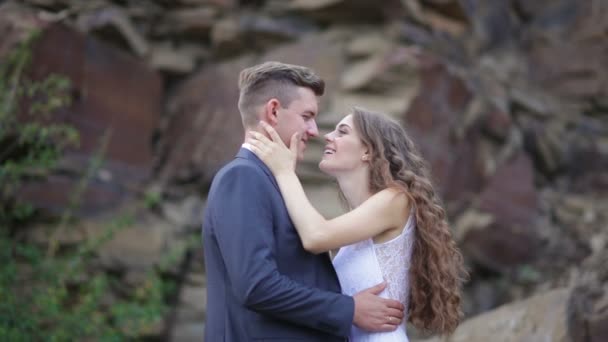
<point x="299" y="117"/>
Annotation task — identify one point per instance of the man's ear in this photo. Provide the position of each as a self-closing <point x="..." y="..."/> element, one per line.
<point x="271" y="111"/>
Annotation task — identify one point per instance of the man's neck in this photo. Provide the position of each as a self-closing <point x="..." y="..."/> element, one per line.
<point x="246" y="145"/>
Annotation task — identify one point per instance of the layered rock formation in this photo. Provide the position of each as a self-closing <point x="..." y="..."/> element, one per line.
<point x="506" y="100"/>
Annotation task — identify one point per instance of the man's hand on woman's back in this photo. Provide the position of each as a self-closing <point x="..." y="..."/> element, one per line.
<point x="374" y="313"/>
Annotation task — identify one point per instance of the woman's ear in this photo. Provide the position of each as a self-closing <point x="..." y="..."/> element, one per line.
<point x="367" y="156"/>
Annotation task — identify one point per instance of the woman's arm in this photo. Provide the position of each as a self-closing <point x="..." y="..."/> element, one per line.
<point x="381" y="212"/>
<point x="374" y="216"/>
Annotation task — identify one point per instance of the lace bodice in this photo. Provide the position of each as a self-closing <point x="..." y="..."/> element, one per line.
<point x="365" y="264"/>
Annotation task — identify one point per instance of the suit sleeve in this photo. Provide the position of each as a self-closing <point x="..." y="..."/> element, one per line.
<point x="244" y="231"/>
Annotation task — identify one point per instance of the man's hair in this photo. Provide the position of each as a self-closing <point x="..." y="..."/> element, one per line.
<point x="260" y="83"/>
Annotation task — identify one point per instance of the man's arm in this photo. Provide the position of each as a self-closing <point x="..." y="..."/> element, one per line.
<point x="243" y="227"/>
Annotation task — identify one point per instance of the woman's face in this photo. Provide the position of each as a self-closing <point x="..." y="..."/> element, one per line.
<point x="344" y="150"/>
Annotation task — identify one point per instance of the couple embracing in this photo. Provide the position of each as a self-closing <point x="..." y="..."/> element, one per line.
<point x="269" y="273"/>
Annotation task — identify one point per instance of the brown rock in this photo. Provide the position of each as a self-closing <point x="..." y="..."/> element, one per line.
<point x="588" y="313"/>
<point x="191" y="22"/>
<point x="118" y="19"/>
<point x="113" y="91"/>
<point x="332" y="11"/>
<point x="194" y="299"/>
<point x="442" y="16"/>
<point x="497" y="123"/>
<point x="224" y="4"/>
<point x="172" y="59"/>
<point x="204" y="129"/>
<point x="16" y="23"/>
<point x="573" y="71"/>
<point x="560" y="315"/>
<point x="510" y="238"/>
<point x="545" y="142"/>
<point x="368" y="43"/>
<point x="188" y="331"/>
<point x="510" y="194"/>
<point x="598" y="327"/>
<point x="185" y="215"/>
<point x="138" y="247"/>
<point x="115" y="108"/>
<point x="382" y="71"/>
<point x="55" y="193"/>
<point x="540" y="318"/>
<point x="252" y="31"/>
<point x="390" y="102"/>
<point x="586" y="156"/>
<point x="430" y="119"/>
<point x="70" y="236"/>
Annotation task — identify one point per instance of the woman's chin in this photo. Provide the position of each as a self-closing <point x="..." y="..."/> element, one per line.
<point x="325" y="167"/>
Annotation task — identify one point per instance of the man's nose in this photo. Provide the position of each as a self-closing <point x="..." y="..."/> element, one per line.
<point x="312" y="130"/>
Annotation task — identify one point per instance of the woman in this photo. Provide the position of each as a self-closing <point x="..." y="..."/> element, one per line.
<point x="396" y="229"/>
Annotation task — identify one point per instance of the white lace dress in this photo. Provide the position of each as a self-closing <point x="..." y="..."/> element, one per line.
<point x="365" y="264"/>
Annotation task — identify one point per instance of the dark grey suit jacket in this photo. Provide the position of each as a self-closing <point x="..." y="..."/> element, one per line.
<point x="261" y="283"/>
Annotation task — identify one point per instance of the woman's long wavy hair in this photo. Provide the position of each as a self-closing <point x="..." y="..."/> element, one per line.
<point x="437" y="270"/>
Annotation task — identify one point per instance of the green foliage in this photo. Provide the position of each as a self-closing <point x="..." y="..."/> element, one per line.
<point x="152" y="199"/>
<point x="48" y="294"/>
<point x="527" y="274"/>
<point x="30" y="143"/>
<point x="63" y="299"/>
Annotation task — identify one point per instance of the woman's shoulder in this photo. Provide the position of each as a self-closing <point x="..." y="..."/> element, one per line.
<point x="396" y="198"/>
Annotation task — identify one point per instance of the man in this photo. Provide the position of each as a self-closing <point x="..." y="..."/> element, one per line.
<point x="261" y="283"/>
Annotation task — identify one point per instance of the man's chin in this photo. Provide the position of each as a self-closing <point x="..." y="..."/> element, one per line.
<point x="301" y="153"/>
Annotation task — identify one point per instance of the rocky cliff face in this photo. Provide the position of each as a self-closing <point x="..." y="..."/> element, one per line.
<point x="507" y="101"/>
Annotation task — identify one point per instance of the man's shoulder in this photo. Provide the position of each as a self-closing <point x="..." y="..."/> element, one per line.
<point x="239" y="165"/>
<point x="242" y="178"/>
<point x="240" y="168"/>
